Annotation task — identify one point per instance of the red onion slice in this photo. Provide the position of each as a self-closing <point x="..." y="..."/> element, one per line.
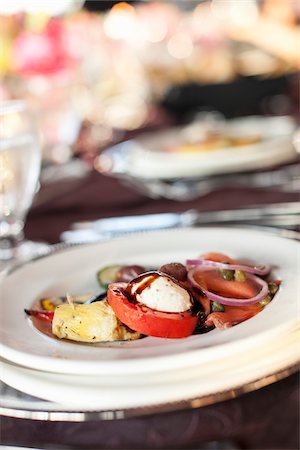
<point x="258" y="270"/>
<point x="228" y="300"/>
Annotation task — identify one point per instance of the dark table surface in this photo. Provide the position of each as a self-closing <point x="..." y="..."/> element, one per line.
<point x="267" y="418"/>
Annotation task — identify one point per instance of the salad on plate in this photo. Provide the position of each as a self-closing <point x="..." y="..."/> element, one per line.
<point x="174" y="300"/>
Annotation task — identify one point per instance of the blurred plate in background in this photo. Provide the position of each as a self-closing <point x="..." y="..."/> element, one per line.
<point x="190" y="151"/>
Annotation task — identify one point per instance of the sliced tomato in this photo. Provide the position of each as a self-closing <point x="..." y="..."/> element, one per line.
<point x="232" y="316"/>
<point x="211" y="280"/>
<point x="218" y="257"/>
<point x="148" y="321"/>
<point x="45" y="316"/>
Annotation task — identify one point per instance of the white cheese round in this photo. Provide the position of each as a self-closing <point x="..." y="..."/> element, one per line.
<point x="164" y="295"/>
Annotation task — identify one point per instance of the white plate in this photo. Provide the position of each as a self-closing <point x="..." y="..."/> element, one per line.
<point x="74" y="270"/>
<point x="146" y="156"/>
<point x="86" y="393"/>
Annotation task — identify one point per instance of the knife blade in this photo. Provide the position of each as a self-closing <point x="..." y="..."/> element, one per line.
<point x="119" y="225"/>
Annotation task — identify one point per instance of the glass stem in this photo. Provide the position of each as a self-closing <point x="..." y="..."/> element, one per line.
<point x="9" y="246"/>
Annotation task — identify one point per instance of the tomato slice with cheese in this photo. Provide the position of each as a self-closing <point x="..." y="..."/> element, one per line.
<point x="149" y="321"/>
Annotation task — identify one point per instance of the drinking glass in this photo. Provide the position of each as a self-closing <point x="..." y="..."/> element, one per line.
<point x="296" y="140"/>
<point x="20" y="162"/>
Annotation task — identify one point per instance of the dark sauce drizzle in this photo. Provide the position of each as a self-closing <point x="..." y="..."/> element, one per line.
<point x="149" y="278"/>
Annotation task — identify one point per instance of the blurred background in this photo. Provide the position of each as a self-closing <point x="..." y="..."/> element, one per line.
<point x="98" y="72"/>
<point x="143" y="108"/>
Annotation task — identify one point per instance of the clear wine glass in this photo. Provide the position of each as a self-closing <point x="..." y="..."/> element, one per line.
<point x="296" y="140"/>
<point x="20" y="163"/>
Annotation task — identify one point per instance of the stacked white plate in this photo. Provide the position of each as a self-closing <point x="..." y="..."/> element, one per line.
<point x="150" y="371"/>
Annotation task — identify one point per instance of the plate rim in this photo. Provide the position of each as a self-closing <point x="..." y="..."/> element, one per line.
<point x="57" y="412"/>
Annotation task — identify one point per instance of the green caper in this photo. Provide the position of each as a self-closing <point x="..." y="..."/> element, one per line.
<point x="239" y="275"/>
<point x="266" y="300"/>
<point x="217" y="307"/>
<point x="273" y="288"/>
<point x="226" y="274"/>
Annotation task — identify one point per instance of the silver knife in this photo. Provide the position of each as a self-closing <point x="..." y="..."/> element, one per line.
<point x="125" y="224"/>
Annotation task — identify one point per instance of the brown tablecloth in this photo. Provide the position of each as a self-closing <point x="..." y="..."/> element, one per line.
<point x="62" y="203"/>
<point x="265" y="419"/>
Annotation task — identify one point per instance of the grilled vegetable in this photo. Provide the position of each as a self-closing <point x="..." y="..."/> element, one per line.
<point x="94" y="322"/>
<point x="45" y="316"/>
<point x="149" y="321"/>
<point x="107" y="275"/>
